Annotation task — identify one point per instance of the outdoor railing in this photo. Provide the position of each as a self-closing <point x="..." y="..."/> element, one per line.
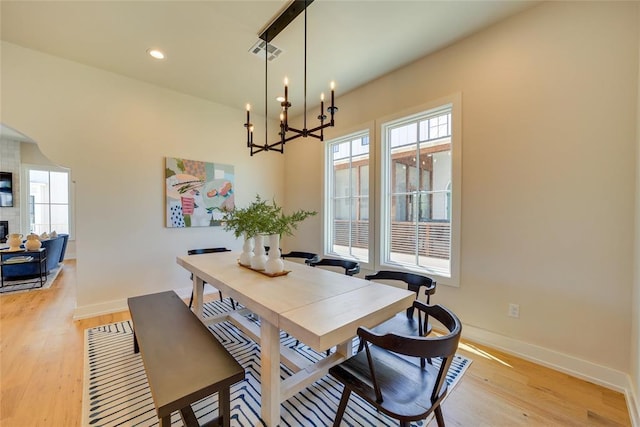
<point x="433" y="237"/>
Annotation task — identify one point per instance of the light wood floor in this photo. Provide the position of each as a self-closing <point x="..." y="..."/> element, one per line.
<point x="42" y="367"/>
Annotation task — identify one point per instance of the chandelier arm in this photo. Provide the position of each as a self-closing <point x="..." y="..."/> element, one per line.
<point x="275" y="144"/>
<point x="300" y="131"/>
<point x="315" y="136"/>
<point x="255" y="149"/>
<point x="317" y="128"/>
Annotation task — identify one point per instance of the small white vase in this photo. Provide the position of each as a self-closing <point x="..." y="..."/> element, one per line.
<point x="247" y="251"/>
<point x="33" y="242"/>
<point x="259" y="259"/>
<point x="274" y="263"/>
<point x="14" y="241"/>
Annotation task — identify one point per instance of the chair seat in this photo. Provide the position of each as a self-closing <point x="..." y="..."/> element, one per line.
<point x="405" y="387"/>
<point x="400" y="324"/>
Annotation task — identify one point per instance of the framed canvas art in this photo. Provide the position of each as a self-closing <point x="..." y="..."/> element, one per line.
<point x="197" y="192"/>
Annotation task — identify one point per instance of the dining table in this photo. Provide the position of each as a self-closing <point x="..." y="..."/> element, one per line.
<point x="322" y="309"/>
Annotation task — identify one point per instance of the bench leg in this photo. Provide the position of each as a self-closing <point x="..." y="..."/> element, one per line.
<point x="188" y="417"/>
<point x="166" y="421"/>
<point x="136" y="347"/>
<point x="224" y="406"/>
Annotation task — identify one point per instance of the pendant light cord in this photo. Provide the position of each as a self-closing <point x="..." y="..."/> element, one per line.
<point x="305" y="67"/>
<point x="266" y="113"/>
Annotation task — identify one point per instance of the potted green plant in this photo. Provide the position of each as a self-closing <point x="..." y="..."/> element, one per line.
<point x="277" y="225"/>
<point x="262" y="218"/>
<point x="245" y="222"/>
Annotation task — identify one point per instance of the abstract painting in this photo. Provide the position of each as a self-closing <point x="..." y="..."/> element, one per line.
<point x="197" y="192"/>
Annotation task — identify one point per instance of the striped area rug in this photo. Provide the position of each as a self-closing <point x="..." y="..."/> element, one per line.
<point x="116" y="392"/>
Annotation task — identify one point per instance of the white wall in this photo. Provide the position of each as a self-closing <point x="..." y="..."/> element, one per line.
<point x="635" y="300"/>
<point x="114" y="133"/>
<point x="549" y="122"/>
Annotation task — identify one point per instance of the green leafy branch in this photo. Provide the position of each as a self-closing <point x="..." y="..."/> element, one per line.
<point x="261" y="217"/>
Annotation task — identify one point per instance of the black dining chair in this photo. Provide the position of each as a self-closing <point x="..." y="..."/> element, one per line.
<point x="350" y="267"/>
<point x="423" y="286"/>
<point x="388" y="376"/>
<point x="308" y="257"/>
<point x="208" y="251"/>
<point x="414" y="283"/>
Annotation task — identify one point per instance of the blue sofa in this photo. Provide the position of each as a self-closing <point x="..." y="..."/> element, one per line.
<point x="56" y="248"/>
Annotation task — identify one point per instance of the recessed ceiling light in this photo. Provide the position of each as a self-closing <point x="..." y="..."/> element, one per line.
<point x="156" y="53"/>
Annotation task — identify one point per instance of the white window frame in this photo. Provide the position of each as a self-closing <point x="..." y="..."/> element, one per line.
<point x="383" y="210"/>
<point x="26" y="168"/>
<point x="328" y="185"/>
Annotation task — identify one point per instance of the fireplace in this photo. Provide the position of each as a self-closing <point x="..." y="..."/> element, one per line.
<point x="4" y="230"/>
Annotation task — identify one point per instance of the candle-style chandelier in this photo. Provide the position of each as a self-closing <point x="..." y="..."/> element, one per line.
<point x="288" y="133"/>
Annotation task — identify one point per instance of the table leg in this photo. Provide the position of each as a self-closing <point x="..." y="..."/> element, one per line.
<point x="198" y="295"/>
<point x="270" y="372"/>
<point x="40" y="268"/>
<point x="345" y="349"/>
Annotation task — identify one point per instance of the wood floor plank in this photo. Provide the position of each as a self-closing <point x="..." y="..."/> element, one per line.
<point x="41" y="370"/>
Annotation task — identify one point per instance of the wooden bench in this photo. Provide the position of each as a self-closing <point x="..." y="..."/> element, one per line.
<point x="184" y="362"/>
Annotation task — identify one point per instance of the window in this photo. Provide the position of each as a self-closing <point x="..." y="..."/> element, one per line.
<point x="48" y="199"/>
<point x="415" y="169"/>
<point x="416" y="198"/>
<point x="347" y="195"/>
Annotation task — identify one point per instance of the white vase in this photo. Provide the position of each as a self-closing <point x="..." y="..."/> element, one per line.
<point x="274" y="262"/>
<point x="14" y="241"/>
<point x="33" y="242"/>
<point x="247" y="251"/>
<point x="259" y="259"/>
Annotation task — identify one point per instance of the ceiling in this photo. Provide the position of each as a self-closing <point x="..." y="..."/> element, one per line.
<point x="207" y="43"/>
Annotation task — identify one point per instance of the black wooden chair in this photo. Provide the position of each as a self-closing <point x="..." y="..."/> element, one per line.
<point x="350" y="267"/>
<point x="423" y="286"/>
<point x="308" y="257"/>
<point x="208" y="251"/>
<point x="387" y="374"/>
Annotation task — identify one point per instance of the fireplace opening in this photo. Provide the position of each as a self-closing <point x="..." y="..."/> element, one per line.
<point x="4" y="231"/>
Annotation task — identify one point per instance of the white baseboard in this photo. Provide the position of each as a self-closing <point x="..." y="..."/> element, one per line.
<point x="109" y="307"/>
<point x="588" y="371"/>
<point x="633" y="403"/>
<point x="93" y="310"/>
<point x="571" y="365"/>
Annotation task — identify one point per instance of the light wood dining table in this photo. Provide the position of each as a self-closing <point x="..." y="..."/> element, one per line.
<point x="321" y="308"/>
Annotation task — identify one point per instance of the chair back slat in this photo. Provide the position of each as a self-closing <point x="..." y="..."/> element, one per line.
<point x="308" y="257"/>
<point x="350" y="267"/>
<point x="423" y="347"/>
<point x="207" y="251"/>
<point x="413" y="281"/>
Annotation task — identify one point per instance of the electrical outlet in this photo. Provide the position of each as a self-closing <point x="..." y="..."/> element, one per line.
<point x="514" y="310"/>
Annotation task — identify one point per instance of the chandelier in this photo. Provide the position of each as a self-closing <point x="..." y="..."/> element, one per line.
<point x="288" y="133"/>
